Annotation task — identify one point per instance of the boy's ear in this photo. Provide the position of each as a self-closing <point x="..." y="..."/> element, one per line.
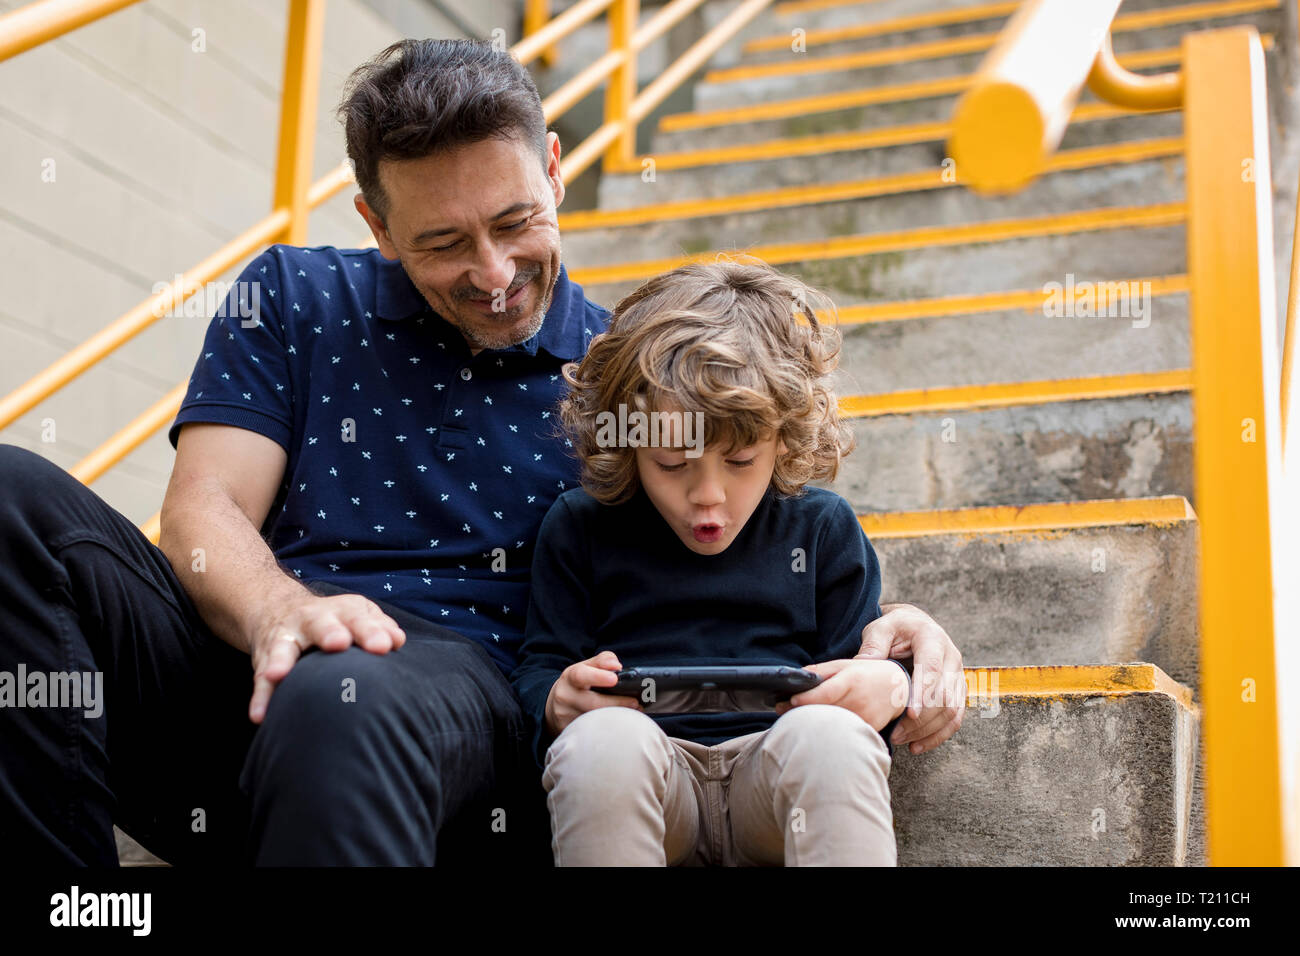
<point x="780" y="448"/>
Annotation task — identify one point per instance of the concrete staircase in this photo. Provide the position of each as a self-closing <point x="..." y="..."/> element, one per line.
<point x="1025" y="478"/>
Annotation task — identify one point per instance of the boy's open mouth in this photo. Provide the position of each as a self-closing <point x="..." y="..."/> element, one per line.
<point x="707" y="532"/>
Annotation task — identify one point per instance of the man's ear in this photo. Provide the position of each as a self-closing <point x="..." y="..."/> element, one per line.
<point x="553" y="168"/>
<point x="377" y="227"/>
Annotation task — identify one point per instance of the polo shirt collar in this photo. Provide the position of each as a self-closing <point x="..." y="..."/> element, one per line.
<point x="396" y="298"/>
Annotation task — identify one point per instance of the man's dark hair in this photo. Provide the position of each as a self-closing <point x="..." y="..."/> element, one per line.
<point x="424" y="96"/>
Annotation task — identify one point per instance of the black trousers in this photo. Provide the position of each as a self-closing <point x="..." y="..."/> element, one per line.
<point x="406" y="758"/>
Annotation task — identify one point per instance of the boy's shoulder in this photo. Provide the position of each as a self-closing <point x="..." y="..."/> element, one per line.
<point x="578" y="507"/>
<point x="819" y="512"/>
<point x="577" y="503"/>
<point x="813" y="502"/>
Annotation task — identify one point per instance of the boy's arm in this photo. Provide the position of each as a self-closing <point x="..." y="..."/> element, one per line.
<point x="848" y="599"/>
<point x="848" y="584"/>
<point x="557" y="633"/>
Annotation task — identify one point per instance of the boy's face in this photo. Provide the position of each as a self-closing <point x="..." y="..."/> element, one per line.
<point x="707" y="500"/>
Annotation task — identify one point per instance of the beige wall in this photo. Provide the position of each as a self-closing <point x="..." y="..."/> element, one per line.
<point x="160" y="153"/>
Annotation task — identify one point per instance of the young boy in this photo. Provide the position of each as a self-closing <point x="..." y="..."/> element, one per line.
<point x="695" y="541"/>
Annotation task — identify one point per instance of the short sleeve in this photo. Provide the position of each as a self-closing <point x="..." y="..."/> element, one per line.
<point x="242" y="376"/>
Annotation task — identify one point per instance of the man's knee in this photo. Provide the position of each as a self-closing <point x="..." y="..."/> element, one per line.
<point x="30" y="482"/>
<point x="331" y="695"/>
<point x="412" y="705"/>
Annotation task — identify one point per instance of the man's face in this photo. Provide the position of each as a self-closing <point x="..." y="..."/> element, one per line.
<point x="476" y="231"/>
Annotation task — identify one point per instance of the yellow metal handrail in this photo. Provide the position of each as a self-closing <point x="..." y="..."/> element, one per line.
<point x="1018" y="105"/>
<point x="1110" y="81"/>
<point x="1004" y="128"/>
<point x="293" y="198"/>
<point x="36" y="23"/>
<point x="1289" y="341"/>
<point x="614" y="141"/>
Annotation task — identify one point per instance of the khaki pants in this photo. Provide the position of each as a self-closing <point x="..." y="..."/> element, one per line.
<point x="813" y="790"/>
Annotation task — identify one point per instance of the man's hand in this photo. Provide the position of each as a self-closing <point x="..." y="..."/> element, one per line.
<point x="571" y="696"/>
<point x="874" y="690"/>
<point x="938" y="700"/>
<point x="331" y="623"/>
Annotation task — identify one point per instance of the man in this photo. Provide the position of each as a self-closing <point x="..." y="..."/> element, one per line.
<point x="361" y="470"/>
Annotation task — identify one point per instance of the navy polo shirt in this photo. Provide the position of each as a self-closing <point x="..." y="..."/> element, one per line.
<point x="418" y="474"/>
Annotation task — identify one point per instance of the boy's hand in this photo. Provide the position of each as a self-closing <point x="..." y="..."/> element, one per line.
<point x="874" y="690"/>
<point x="571" y="696"/>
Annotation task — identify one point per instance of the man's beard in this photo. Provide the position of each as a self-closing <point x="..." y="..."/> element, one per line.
<point x="491" y="335"/>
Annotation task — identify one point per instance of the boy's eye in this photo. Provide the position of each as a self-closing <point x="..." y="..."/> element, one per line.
<point x="741" y="462"/>
<point x="677" y="467"/>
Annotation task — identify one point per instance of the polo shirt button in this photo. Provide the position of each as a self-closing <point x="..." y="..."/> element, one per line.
<point x="466" y="374"/>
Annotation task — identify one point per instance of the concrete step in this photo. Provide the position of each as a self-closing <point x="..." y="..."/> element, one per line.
<point x="783" y="17"/>
<point x="871" y="32"/>
<point x="970" y="347"/>
<point x="741" y="85"/>
<point x="867" y="107"/>
<point x="1058" y="766"/>
<point x="1083" y="582"/>
<point x="963" y="261"/>
<point x="1137" y="446"/>
<point x="883" y="151"/>
<point x="887" y="203"/>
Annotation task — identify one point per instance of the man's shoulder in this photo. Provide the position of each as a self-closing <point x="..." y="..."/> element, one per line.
<point x="317" y="264"/>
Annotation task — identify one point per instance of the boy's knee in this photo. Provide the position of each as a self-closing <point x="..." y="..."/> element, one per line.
<point x="610" y="741"/>
<point x="806" y="734"/>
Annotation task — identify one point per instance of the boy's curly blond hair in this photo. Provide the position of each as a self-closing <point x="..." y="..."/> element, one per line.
<point x="734" y="339"/>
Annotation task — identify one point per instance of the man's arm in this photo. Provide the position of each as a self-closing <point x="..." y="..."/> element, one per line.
<point x="222" y="486"/>
<point x="938" y="693"/>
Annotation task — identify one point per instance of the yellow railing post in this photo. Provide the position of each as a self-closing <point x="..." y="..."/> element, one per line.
<point x="536" y="15"/>
<point x="621" y="90"/>
<point x="1238" y="471"/>
<point x="302" y="58"/>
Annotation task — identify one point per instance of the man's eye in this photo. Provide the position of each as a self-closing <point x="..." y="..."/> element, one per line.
<point x="445" y="248"/>
<point x="516" y="225"/>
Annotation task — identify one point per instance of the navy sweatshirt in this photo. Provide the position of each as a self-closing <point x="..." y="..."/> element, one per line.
<point x="796" y="586"/>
